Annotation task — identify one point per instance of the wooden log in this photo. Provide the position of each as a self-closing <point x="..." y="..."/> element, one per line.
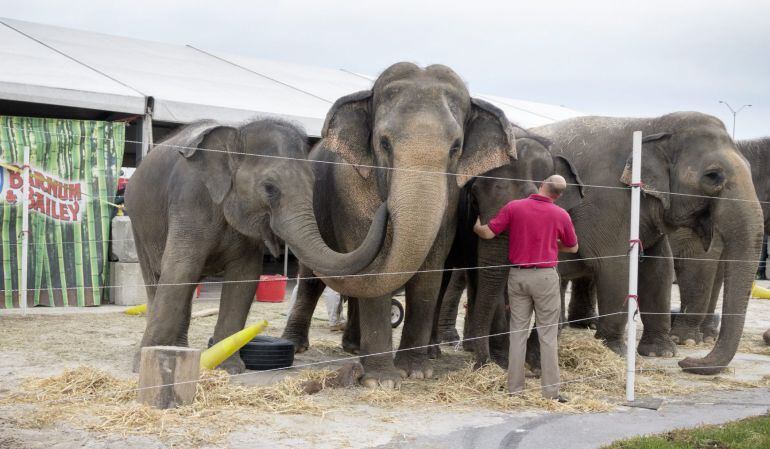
<point x="205" y="312"/>
<point x="167" y="376"/>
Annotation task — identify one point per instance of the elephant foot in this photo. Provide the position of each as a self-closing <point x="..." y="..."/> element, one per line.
<point x="684" y="334"/>
<point x="481" y="362"/>
<point x="388" y="378"/>
<point x="448" y="335"/>
<point x="413" y="365"/>
<point x="233" y="365"/>
<point x="657" y="347"/>
<point x="300" y="340"/>
<point x="766" y="337"/>
<point x="710" y="329"/>
<point x="501" y="359"/>
<point x="616" y="345"/>
<point x="350" y="346"/>
<point x="586" y="320"/>
<point x="434" y="352"/>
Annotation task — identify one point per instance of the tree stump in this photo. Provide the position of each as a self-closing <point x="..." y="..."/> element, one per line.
<point x="168" y="376"/>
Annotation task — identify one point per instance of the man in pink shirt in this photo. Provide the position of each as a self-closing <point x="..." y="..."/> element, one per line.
<point x="537" y="231"/>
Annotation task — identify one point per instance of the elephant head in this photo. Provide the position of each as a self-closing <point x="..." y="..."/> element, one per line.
<point x="701" y="181"/>
<point x="259" y="175"/>
<point x="519" y="179"/>
<point x="418" y="136"/>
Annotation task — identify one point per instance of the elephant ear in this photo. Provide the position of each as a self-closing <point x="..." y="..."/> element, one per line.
<point x="489" y="141"/>
<point x="208" y="151"/>
<point x="347" y="130"/>
<point x="573" y="196"/>
<point x="656" y="180"/>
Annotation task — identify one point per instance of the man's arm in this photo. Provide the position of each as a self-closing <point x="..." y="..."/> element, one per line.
<point x="567" y="249"/>
<point x="483" y="231"/>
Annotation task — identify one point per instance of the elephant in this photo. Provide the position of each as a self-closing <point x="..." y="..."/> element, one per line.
<point x="204" y="202"/>
<point x="701" y="280"/>
<point x="488" y="194"/>
<point x="413" y="141"/>
<point x="691" y="170"/>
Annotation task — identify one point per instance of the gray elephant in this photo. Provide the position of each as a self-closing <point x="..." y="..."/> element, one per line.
<point x="690" y="171"/>
<point x="488" y="194"/>
<point x="701" y="280"/>
<point x="203" y="202"/>
<point x="415" y="138"/>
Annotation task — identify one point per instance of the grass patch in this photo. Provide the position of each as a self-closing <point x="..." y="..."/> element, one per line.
<point x="750" y="433"/>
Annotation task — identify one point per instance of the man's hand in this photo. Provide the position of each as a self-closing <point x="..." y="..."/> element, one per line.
<point x="483" y="231"/>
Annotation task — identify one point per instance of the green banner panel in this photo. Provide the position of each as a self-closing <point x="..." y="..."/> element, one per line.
<point x="74" y="167"/>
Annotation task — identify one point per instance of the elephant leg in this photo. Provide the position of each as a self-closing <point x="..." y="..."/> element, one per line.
<point x="377" y="339"/>
<point x="236" y="300"/>
<point x="499" y="339"/>
<point x="168" y="313"/>
<point x="297" y="328"/>
<point x="489" y="300"/>
<point x="421" y="297"/>
<point x="655" y="279"/>
<point x="710" y="325"/>
<point x="450" y="304"/>
<point x="582" y="304"/>
<point x="695" y="279"/>
<point x="351" y="338"/>
<point x="611" y="291"/>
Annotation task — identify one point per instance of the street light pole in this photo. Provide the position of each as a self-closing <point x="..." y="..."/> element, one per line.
<point x="735" y="112"/>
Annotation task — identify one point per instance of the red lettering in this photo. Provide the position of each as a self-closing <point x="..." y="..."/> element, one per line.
<point x="74" y="208"/>
<point x="16" y="181"/>
<point x="63" y="211"/>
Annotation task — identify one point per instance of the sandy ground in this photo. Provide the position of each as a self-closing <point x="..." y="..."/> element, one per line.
<point x="47" y="341"/>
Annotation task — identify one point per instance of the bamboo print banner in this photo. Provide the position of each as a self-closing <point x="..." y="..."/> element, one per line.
<point x="74" y="166"/>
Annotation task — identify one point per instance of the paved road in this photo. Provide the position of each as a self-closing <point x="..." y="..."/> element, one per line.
<point x="595" y="430"/>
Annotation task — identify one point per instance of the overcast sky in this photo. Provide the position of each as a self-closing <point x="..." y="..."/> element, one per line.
<point x="601" y="57"/>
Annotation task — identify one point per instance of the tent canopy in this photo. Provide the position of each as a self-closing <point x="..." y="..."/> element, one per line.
<point x="59" y="66"/>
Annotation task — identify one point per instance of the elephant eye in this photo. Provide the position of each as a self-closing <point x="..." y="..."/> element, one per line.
<point x="456" y="148"/>
<point x="715" y="176"/>
<point x="271" y="190"/>
<point x="385" y="144"/>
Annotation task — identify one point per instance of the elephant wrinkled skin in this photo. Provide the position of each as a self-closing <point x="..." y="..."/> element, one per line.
<point x="418" y="125"/>
<point x="701" y="280"/>
<point x="203" y="202"/>
<point x="690" y="168"/>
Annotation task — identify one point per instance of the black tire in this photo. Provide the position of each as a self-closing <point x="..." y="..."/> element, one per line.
<point x="265" y="353"/>
<point x="396" y="313"/>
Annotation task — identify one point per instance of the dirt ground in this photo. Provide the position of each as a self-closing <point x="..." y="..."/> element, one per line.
<point x="46" y="342"/>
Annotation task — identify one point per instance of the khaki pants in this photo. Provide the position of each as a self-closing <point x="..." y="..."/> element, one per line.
<point x="537" y="289"/>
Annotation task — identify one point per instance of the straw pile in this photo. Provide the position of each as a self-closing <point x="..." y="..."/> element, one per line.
<point x="93" y="400"/>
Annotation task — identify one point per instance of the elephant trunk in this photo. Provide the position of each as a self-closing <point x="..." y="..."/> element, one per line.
<point x="417" y="202"/>
<point x="300" y="231"/>
<point x="740" y="226"/>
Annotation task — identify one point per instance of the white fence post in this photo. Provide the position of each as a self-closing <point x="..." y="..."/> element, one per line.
<point x="24" y="232"/>
<point x="633" y="264"/>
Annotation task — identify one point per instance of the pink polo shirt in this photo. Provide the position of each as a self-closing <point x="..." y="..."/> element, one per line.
<point x="533" y="225"/>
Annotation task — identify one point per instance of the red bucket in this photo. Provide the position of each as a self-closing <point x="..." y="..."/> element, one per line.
<point x="271" y="288"/>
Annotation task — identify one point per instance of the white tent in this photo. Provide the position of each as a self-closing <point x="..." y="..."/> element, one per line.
<point x="58" y="66"/>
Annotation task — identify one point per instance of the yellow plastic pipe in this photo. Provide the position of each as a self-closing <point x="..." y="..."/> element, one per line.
<point x="136" y="310"/>
<point x="760" y="292"/>
<point x="213" y="356"/>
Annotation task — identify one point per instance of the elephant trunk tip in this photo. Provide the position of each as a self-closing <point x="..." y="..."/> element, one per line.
<point x="700" y="366"/>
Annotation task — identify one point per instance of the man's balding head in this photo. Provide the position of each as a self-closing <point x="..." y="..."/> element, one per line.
<point x="553" y="186"/>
